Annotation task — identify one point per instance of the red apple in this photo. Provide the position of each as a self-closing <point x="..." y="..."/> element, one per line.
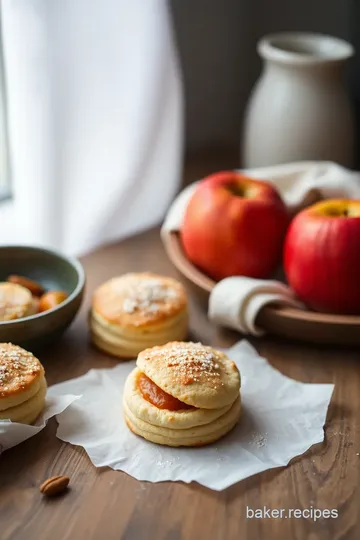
<point x="234" y="225"/>
<point x="322" y="256"/>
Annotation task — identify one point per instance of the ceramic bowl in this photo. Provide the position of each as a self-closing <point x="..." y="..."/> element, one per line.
<point x="55" y="272"/>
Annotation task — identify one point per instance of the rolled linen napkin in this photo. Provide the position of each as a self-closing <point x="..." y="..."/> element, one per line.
<point x="236" y="301"/>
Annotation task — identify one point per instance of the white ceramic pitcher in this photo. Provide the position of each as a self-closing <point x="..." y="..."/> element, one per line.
<point x="299" y="108"/>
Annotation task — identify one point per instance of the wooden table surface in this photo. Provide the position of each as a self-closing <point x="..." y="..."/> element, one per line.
<point x="109" y="505"/>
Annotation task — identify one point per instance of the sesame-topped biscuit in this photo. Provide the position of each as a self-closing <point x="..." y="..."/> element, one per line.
<point x="182" y="394"/>
<point x="193" y="373"/>
<point x="20" y="375"/>
<point x="137" y="311"/>
<point x="22" y="384"/>
<point x="140" y="299"/>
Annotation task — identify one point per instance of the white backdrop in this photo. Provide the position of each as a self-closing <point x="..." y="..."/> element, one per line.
<point x="95" y="118"/>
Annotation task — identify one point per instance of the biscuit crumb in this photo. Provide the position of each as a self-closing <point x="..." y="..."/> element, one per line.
<point x="258" y="439"/>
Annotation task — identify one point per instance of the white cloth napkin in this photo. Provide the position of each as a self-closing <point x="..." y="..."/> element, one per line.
<point x="281" y="418"/>
<point x="235" y="302"/>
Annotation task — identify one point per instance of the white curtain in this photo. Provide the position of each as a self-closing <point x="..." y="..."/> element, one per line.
<point x="95" y="115"/>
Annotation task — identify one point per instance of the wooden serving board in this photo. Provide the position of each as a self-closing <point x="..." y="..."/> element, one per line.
<point x="291" y="323"/>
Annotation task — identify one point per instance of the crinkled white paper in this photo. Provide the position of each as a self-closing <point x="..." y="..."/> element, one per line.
<point x="281" y="419"/>
<point x="12" y="433"/>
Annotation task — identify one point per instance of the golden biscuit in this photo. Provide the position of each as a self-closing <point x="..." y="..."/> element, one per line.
<point x="22" y="384"/>
<point x="28" y="411"/>
<point x="15" y="301"/>
<point x="196" y="436"/>
<point x="176" y="419"/>
<point x="34" y="306"/>
<point x="126" y="342"/>
<point x="20" y="375"/>
<point x="182" y="394"/>
<point x="137" y="311"/>
<point x="193" y="373"/>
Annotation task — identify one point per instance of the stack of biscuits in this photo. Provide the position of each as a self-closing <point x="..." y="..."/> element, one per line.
<point x="136" y="311"/>
<point x="182" y="394"/>
<point x="22" y="385"/>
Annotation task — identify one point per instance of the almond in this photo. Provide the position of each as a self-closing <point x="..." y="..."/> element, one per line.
<point x="54" y="485"/>
<point x="33" y="286"/>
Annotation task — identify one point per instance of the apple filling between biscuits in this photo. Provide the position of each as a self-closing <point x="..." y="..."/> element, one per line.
<point x="157" y="397"/>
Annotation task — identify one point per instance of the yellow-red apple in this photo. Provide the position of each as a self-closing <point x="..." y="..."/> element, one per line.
<point x="234" y="225"/>
<point x="322" y="256"/>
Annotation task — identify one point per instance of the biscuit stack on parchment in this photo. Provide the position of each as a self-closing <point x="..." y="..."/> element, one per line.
<point x="182" y="394"/>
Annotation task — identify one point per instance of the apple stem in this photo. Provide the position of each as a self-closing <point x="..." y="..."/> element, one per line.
<point x="236" y="190"/>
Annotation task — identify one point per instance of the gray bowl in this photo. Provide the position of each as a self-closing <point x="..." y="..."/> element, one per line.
<point x="55" y="272"/>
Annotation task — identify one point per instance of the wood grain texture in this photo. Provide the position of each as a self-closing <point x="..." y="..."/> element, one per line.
<point x="109" y="505"/>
